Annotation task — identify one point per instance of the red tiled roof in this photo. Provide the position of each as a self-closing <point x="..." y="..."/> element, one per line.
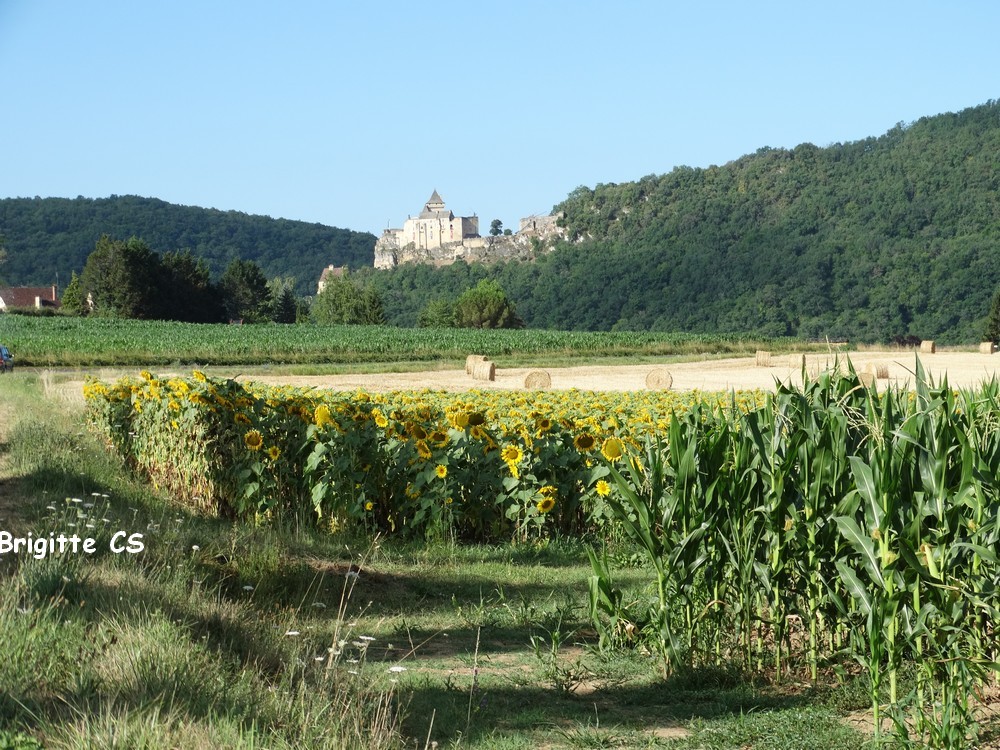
<point x="24" y="296"/>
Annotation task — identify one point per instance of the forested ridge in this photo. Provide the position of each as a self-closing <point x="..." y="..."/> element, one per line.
<point x="868" y="240"/>
<point x="49" y="236"/>
<point x="890" y="236"/>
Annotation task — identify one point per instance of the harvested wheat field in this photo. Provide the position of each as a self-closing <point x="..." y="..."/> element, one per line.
<point x="964" y="369"/>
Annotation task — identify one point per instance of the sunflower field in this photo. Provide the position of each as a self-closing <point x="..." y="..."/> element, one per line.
<point x="480" y="465"/>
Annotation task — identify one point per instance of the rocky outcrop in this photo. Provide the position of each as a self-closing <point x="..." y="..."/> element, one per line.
<point x="537" y="236"/>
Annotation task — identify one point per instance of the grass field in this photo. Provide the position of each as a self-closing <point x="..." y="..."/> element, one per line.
<point x="219" y="634"/>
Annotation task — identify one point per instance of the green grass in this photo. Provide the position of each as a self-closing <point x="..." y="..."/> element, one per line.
<point x="219" y="635"/>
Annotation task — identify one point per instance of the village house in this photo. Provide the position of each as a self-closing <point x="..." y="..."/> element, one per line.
<point x="330" y="272"/>
<point x="29" y="296"/>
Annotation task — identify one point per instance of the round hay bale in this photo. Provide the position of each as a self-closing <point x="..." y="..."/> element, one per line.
<point x="659" y="380"/>
<point x="763" y="358"/>
<point x="538" y="379"/>
<point x="867" y="378"/>
<point x="471" y="360"/>
<point x="485" y="370"/>
<point x="987" y="347"/>
<point x="927" y="347"/>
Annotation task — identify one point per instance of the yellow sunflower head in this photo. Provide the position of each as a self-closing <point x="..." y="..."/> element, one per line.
<point x="602" y="488"/>
<point x="584" y="442"/>
<point x="512" y="454"/>
<point x="547" y="503"/>
<point x="273" y="452"/>
<point x="613" y="449"/>
<point x="322" y="416"/>
<point x="253" y="440"/>
<point x="441" y="470"/>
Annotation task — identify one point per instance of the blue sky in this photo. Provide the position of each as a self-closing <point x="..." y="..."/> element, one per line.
<point x="350" y="114"/>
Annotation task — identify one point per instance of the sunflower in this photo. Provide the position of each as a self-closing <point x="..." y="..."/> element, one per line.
<point x="423" y="451"/>
<point x="584" y="442"/>
<point x="273" y="452"/>
<point x="603" y="488"/>
<point x="253" y="440"/>
<point x="199" y="376"/>
<point x="380" y="420"/>
<point x="322" y="415"/>
<point x="441" y="470"/>
<point x="613" y="449"/>
<point x="548" y="501"/>
<point x="439" y="438"/>
<point x="511" y="454"/>
<point x="475" y="419"/>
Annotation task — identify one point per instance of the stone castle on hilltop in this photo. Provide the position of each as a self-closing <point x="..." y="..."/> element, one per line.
<point x="439" y="237"/>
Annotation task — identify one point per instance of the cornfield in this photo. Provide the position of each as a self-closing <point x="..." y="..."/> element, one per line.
<point x="832" y="521"/>
<point x="66" y="341"/>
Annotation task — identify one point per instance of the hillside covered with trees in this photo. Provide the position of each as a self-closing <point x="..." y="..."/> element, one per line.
<point x="49" y="236"/>
<point x="869" y="240"/>
<point x="887" y="237"/>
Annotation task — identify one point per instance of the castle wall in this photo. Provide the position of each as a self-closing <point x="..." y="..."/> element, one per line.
<point x="439" y="237"/>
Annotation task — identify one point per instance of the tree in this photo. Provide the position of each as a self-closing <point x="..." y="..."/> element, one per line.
<point x="496" y="228"/>
<point x="284" y="306"/>
<point x="344" y="302"/>
<point x="992" y="331"/>
<point x="121" y="279"/>
<point x="72" y="297"/>
<point x="245" y="292"/>
<point x="438" y="313"/>
<point x="186" y="290"/>
<point x="486" y="306"/>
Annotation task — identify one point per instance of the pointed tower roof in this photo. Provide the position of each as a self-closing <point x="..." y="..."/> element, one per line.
<point x="434" y="206"/>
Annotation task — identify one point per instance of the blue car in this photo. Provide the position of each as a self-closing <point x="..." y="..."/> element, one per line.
<point x="6" y="359"/>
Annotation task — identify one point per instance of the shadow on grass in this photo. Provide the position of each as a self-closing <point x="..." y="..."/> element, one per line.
<point x="499" y="709"/>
